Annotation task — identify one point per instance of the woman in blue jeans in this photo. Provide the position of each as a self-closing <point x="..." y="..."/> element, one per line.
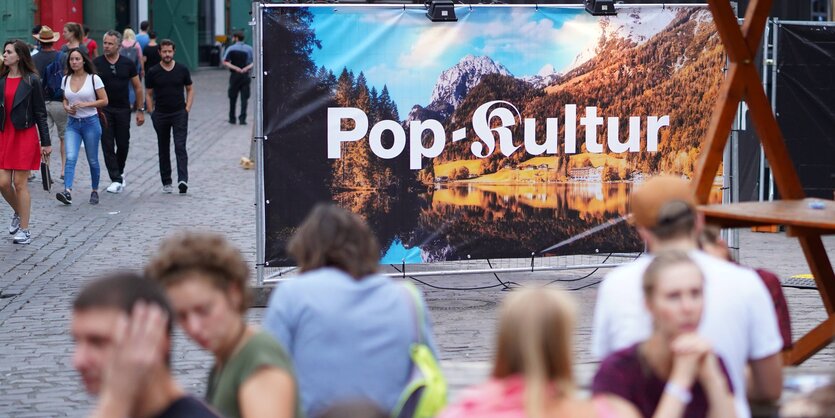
<point x="83" y="94"/>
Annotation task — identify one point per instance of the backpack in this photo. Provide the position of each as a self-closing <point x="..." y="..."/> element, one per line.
<point x="130" y="53"/>
<point x="52" y="78"/>
<point x="426" y="393"/>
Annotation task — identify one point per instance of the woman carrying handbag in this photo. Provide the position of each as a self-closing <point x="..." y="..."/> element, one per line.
<point x="22" y="121"/>
<point x="83" y="95"/>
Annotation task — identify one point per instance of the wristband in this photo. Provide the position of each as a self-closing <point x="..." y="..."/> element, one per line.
<point x="678" y="392"/>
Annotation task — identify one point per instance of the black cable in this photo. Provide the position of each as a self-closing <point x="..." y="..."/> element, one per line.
<point x="581" y="278"/>
<point x="505" y="284"/>
<point x="450" y="288"/>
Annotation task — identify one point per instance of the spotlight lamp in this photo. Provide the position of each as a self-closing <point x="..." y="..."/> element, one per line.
<point x="441" y="11"/>
<point x="601" y="7"/>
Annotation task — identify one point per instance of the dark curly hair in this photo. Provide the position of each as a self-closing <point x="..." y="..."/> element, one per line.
<point x="333" y="237"/>
<point x="208" y="254"/>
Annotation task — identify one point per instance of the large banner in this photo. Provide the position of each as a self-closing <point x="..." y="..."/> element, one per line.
<point x="499" y="135"/>
<point x="805" y="104"/>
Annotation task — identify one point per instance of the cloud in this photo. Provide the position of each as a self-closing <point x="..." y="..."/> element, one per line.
<point x="431" y="44"/>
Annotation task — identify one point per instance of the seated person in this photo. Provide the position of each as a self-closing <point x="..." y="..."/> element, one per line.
<point x="712" y="243"/>
<point x="674" y="373"/>
<point x="532" y="374"/>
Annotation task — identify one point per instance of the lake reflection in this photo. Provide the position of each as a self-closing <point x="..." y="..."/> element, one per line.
<point x="491" y="221"/>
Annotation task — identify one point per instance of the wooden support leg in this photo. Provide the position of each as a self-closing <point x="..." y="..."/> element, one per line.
<point x="814" y="341"/>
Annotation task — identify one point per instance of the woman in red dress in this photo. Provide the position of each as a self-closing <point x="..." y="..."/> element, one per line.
<point x="22" y="122"/>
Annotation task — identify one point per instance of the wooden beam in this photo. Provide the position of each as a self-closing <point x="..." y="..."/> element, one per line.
<point x="814" y="341"/>
<point x="730" y="94"/>
<point x="821" y="269"/>
<point x="756" y="16"/>
<point x="773" y="143"/>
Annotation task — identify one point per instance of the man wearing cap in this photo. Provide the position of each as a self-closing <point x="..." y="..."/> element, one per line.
<point x="739" y="319"/>
<point x="56" y="115"/>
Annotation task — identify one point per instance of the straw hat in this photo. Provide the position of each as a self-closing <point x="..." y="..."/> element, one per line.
<point x="46" y="35"/>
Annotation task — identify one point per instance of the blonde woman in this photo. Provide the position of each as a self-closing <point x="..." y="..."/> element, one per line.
<point x="675" y="372"/>
<point x="132" y="50"/>
<point x="532" y="375"/>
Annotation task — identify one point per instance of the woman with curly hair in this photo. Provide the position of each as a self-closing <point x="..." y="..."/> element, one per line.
<point x="207" y="280"/>
<point x="348" y="329"/>
<point x="22" y="122"/>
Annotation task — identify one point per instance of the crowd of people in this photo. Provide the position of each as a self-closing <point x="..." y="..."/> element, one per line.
<point x="87" y="99"/>
<point x="679" y="332"/>
<point x="682" y="331"/>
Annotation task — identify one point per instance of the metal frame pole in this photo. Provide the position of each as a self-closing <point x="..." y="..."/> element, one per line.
<point x="767" y="59"/>
<point x="775" y="70"/>
<point x="259" y="138"/>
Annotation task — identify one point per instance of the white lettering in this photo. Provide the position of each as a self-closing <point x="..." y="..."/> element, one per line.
<point x="376" y="141"/>
<point x="590" y="121"/>
<point x="654" y="124"/>
<point x="487" y="136"/>
<point x="336" y="136"/>
<point x="633" y="144"/>
<point x="550" y="144"/>
<point x="416" y="148"/>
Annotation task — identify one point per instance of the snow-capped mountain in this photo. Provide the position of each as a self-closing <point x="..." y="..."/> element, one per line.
<point x="627" y="25"/>
<point x="454" y="84"/>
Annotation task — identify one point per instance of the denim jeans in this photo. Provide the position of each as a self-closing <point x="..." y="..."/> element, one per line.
<point x="88" y="130"/>
<point x="164" y="124"/>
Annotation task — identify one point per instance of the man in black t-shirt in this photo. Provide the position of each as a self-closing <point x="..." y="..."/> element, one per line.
<point x="151" y="51"/>
<point x="117" y="72"/>
<point x="121" y="330"/>
<point x="164" y="85"/>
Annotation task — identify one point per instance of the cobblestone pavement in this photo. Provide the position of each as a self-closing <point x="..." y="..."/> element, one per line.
<point x="73" y="244"/>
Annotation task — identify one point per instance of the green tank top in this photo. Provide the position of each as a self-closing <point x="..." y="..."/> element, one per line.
<point x="260" y="351"/>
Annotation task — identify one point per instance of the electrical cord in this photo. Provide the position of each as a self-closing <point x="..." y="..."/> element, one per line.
<point x="451" y="288"/>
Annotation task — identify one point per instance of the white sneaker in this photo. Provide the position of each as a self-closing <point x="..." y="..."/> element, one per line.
<point x="115" y="187"/>
<point x="22" y="237"/>
<point x="14" y="225"/>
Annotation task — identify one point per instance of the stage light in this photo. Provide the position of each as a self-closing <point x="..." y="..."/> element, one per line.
<point x="441" y="11"/>
<point x="601" y="7"/>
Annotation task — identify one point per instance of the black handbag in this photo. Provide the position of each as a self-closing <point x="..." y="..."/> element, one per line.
<point x="46" y="177"/>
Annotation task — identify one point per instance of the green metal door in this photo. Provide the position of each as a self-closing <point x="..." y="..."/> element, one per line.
<point x="100" y="16"/>
<point x="16" y="20"/>
<point x="177" y="20"/>
<point x="239" y="17"/>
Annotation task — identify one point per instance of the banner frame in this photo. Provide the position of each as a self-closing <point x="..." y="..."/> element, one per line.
<point x="258" y="8"/>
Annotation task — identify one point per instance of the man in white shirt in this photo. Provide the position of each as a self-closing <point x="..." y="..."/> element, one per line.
<point x="739" y="318"/>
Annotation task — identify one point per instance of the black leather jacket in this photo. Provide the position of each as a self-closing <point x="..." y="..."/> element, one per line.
<point x="28" y="108"/>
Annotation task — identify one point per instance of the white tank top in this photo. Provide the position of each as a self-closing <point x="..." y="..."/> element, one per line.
<point x="87" y="93"/>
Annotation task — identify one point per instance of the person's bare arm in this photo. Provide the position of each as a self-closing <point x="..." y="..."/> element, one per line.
<point x="765" y="381"/>
<point x="149" y="99"/>
<point x="270" y="392"/>
<point x="189" y="97"/>
<point x="720" y="400"/>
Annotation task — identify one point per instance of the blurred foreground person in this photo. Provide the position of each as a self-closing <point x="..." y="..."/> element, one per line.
<point x="820" y="403"/>
<point x="354" y="410"/>
<point x="674" y="373"/>
<point x="738" y="319"/>
<point x="348" y="329"/>
<point x="711" y="242"/>
<point x="121" y="326"/>
<point x="207" y="280"/>
<point x="532" y="373"/>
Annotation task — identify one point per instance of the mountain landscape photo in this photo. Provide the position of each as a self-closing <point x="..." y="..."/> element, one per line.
<point x="644" y="63"/>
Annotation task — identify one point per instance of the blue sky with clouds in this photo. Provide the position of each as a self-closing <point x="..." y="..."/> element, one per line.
<point x="403" y="49"/>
